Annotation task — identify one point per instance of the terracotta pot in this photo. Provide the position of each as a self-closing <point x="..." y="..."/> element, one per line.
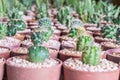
<point x="20" y="37"/>
<point x="53" y="53"/>
<point x="93" y="29"/>
<point x="89" y="25"/>
<point x="57" y="32"/>
<point x="71" y="74"/>
<point x="14" y="53"/>
<point x="3" y="19"/>
<point x="111" y="57"/>
<point x="21" y="73"/>
<point x="2" y="70"/>
<point x="65" y="32"/>
<point x="64" y="57"/>
<point x="25" y="32"/>
<point x="5" y="54"/>
<point x="55" y="37"/>
<point x="103" y="40"/>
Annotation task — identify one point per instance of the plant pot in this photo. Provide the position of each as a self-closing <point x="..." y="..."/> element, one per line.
<point x="28" y="73"/>
<point x="3" y="19"/>
<point x="101" y="39"/>
<point x="2" y="69"/>
<point x="20" y="37"/>
<point x="53" y="53"/>
<point x="25" y="32"/>
<point x="111" y="57"/>
<point x="89" y="25"/>
<point x="5" y="54"/>
<point x="93" y="29"/>
<point x="65" y="56"/>
<point x="73" y="74"/>
<point x="21" y="51"/>
<point x="109" y="45"/>
<point x="55" y="37"/>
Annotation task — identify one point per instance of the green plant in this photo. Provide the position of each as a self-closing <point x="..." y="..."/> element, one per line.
<point x="38" y="54"/>
<point x="91" y="55"/>
<point x="3" y="30"/>
<point x="45" y="22"/>
<point x="75" y="23"/>
<point x="64" y="15"/>
<point x="3" y="7"/>
<point x="42" y="11"/>
<point x="59" y="3"/>
<point x="27" y="4"/>
<point x="118" y="35"/>
<point x="109" y="31"/>
<point x="84" y="41"/>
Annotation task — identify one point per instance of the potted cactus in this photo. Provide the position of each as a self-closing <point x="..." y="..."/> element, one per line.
<point x="90" y="66"/>
<point x="37" y="65"/>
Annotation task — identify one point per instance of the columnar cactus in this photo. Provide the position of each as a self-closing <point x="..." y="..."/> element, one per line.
<point x="91" y="55"/>
<point x="3" y="30"/>
<point x="84" y="41"/>
<point x="109" y="31"/>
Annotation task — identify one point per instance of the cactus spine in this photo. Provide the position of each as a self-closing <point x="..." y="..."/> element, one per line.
<point x="91" y="55"/>
<point x="84" y="41"/>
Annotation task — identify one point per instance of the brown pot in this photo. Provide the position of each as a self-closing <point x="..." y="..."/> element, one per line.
<point x="64" y="57"/>
<point x="93" y="29"/>
<point x="2" y="70"/>
<point x="104" y="40"/>
<point x="89" y="25"/>
<point x="111" y="57"/>
<point x="21" y="73"/>
<point x="55" y="37"/>
<point x="14" y="53"/>
<point x="71" y="74"/>
<point x="5" y="54"/>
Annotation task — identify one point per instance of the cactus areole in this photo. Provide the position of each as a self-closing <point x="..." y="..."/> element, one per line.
<point x="91" y="55"/>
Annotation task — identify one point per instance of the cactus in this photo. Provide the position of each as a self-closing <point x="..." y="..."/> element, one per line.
<point x="45" y="22"/>
<point x="84" y="41"/>
<point x="38" y="54"/>
<point x="76" y="23"/>
<point x="109" y="31"/>
<point x="64" y="15"/>
<point x="118" y="35"/>
<point x="91" y="55"/>
<point x="37" y="38"/>
<point x="3" y="30"/>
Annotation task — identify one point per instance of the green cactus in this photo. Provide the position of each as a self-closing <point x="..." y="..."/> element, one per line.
<point x="37" y="38"/>
<point x="64" y="15"/>
<point x="38" y="54"/>
<point x="109" y="31"/>
<point x="45" y="22"/>
<point x="3" y="30"/>
<point x="84" y="41"/>
<point x="91" y="55"/>
<point x="73" y="32"/>
<point x="42" y="11"/>
<point x="118" y="35"/>
<point x="76" y="23"/>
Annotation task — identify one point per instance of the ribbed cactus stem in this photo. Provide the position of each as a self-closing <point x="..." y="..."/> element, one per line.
<point x="84" y="41"/>
<point x="91" y="55"/>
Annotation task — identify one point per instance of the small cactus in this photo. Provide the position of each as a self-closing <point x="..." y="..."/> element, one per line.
<point x="76" y="23"/>
<point x="45" y="22"/>
<point x="3" y="30"/>
<point x="109" y="31"/>
<point x="84" y="41"/>
<point x="38" y="54"/>
<point x="91" y="55"/>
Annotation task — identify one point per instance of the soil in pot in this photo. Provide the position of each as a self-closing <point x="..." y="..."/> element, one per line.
<point x="101" y="39"/>
<point x="74" y="69"/>
<point x="27" y="43"/>
<point x="93" y="29"/>
<point x="53" y="53"/>
<point x="22" y="69"/>
<point x="21" y="51"/>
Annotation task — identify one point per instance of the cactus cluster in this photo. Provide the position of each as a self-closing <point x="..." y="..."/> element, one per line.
<point x="109" y="31"/>
<point x="84" y="41"/>
<point x="3" y="30"/>
<point x="91" y="55"/>
<point x="64" y="15"/>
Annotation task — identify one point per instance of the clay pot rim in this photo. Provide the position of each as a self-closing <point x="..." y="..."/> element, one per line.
<point x="9" y="50"/>
<point x="58" y="65"/>
<point x="110" y="47"/>
<point x="69" y="68"/>
<point x="110" y="52"/>
<point x="13" y="51"/>
<point x="69" y="55"/>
